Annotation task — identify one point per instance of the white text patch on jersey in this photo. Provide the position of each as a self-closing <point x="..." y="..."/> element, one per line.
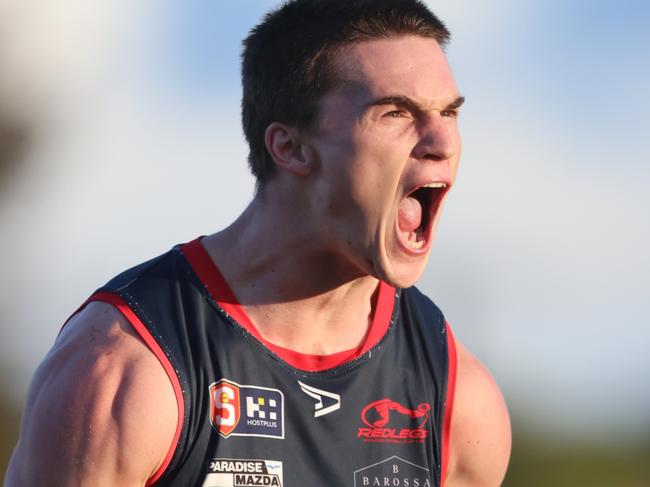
<point x="322" y="397"/>
<point x="237" y="472"/>
<point x="393" y="471"/>
<point x="246" y="410"/>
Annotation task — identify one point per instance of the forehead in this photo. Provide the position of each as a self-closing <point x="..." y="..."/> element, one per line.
<point x="409" y="65"/>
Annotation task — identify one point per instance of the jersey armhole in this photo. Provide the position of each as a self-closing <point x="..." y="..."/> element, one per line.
<point x="146" y="336"/>
<point x="449" y="403"/>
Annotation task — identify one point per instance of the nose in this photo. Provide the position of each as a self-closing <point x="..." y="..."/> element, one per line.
<point x="437" y="138"/>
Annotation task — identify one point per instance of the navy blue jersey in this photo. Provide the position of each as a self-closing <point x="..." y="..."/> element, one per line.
<point x="252" y="413"/>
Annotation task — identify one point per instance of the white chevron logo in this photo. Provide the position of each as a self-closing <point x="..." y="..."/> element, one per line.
<point x="319" y="408"/>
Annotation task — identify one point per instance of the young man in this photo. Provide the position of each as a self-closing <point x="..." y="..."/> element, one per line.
<point x="290" y="349"/>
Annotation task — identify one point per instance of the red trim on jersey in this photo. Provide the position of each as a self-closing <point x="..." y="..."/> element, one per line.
<point x="153" y="345"/>
<point x="215" y="283"/>
<point x="449" y="402"/>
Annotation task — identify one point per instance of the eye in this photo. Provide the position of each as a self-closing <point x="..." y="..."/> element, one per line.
<point x="396" y="114"/>
<point x="452" y="113"/>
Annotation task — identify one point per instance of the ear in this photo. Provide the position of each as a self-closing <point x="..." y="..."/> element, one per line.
<point x="288" y="150"/>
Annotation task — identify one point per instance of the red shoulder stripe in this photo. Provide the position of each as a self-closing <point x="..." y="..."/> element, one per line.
<point x="153" y="345"/>
<point x="449" y="403"/>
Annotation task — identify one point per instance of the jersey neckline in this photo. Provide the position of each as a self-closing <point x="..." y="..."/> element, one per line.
<point x="214" y="282"/>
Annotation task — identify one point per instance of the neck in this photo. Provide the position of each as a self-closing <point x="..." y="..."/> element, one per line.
<point x="297" y="292"/>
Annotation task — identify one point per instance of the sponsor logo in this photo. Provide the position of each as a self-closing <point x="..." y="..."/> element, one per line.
<point x="244" y="410"/>
<point x="231" y="472"/>
<point x="388" y="421"/>
<point x="322" y="397"/>
<point x="394" y="472"/>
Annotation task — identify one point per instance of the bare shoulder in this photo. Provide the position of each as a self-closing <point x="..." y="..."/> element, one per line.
<point x="100" y="410"/>
<point x="480" y="427"/>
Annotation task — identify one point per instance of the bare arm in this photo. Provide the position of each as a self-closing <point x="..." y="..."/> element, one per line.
<point x="480" y="427"/>
<point x="101" y="411"/>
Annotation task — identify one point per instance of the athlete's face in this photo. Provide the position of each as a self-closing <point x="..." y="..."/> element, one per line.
<point x="388" y="147"/>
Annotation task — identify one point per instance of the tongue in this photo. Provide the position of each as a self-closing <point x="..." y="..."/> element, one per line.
<point x="409" y="214"/>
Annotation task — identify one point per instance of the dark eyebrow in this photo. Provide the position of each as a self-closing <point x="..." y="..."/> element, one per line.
<point x="410" y="104"/>
<point x="457" y="103"/>
<point x="399" y="101"/>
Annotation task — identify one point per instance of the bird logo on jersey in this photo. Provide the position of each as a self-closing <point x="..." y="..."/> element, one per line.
<point x="380" y="415"/>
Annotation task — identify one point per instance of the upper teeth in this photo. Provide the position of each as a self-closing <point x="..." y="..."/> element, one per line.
<point x="435" y="185"/>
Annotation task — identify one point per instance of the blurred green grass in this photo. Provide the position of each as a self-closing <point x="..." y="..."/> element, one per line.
<point x="9" y="427"/>
<point x="538" y="461"/>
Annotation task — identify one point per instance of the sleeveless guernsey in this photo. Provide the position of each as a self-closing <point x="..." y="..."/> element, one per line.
<point x="251" y="413"/>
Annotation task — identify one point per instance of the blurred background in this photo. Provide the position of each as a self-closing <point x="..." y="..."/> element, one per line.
<point x="120" y="136"/>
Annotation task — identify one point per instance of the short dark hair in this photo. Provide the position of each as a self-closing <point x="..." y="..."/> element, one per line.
<point x="287" y="60"/>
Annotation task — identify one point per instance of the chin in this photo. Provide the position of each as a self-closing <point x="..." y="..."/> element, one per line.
<point x="403" y="281"/>
<point x="401" y="274"/>
<point x="390" y="262"/>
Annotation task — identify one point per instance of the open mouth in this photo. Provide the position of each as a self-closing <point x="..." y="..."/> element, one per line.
<point x="416" y="214"/>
